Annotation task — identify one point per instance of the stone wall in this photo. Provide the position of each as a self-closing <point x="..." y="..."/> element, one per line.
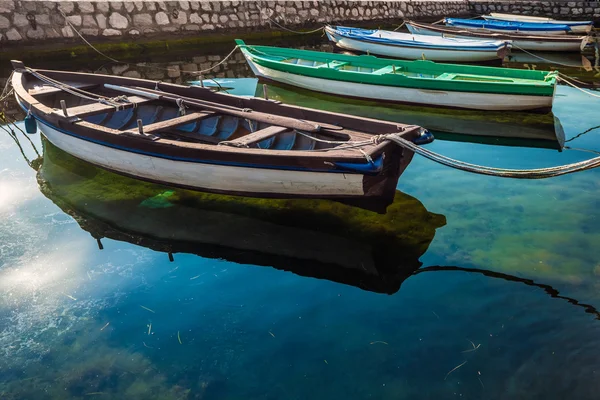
<point x="40" y="22"/>
<point x="582" y="10"/>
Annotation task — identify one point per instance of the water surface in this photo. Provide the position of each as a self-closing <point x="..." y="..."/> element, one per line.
<point x="197" y="296"/>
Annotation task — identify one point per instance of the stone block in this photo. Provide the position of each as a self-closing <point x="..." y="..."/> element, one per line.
<point x="129" y="6"/>
<point x="192" y="27"/>
<point x="134" y="32"/>
<point x="208" y="27"/>
<point x="52" y="33"/>
<point x="150" y="6"/>
<point x="116" y="5"/>
<point x="206" y="18"/>
<point x="118" y="21"/>
<point x="66" y="6"/>
<point x="89" y="21"/>
<point x="85" y="7"/>
<point x="101" y="19"/>
<point x="184" y="5"/>
<point x="36" y="33"/>
<point x="13" y="34"/>
<point x="195" y="18"/>
<point x="20" y="20"/>
<point x="102" y="6"/>
<point x="161" y="18"/>
<point x="67" y="31"/>
<point x="75" y="20"/>
<point x="7" y="7"/>
<point x="132" y="74"/>
<point x="180" y="20"/>
<point x="4" y="22"/>
<point x="111" y="32"/>
<point x="195" y="5"/>
<point x="142" y="20"/>
<point x="42" y="19"/>
<point x="139" y="5"/>
<point x="90" y="32"/>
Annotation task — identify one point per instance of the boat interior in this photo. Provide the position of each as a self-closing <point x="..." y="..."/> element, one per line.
<point x="164" y="119"/>
<point x="359" y="67"/>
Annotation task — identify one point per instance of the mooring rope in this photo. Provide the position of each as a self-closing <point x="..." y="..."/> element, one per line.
<point x="287" y="29"/>
<point x="536" y="173"/>
<point x="559" y="78"/>
<point x="141" y="65"/>
<point x="545" y="59"/>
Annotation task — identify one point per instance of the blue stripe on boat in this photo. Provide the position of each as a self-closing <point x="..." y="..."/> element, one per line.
<point x="505" y="25"/>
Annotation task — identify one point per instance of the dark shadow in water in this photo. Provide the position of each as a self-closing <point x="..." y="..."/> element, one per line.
<point x="529" y="282"/>
<point x="315" y="238"/>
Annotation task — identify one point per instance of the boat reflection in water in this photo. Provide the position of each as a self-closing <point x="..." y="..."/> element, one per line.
<point x="316" y="238"/>
<point x="490" y="127"/>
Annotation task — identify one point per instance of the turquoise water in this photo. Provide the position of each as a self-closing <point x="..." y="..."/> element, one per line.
<point x="469" y="287"/>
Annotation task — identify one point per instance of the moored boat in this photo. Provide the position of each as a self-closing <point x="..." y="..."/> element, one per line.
<point x="193" y="138"/>
<point x="556" y="43"/>
<point x="576" y="26"/>
<point x="418" y="82"/>
<point x="509" y="26"/>
<point x="415" y="47"/>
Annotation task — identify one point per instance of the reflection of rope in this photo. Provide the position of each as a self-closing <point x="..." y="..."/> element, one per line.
<point x="582" y="133"/>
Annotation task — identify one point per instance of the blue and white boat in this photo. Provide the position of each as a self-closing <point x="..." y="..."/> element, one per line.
<point x="509" y="26"/>
<point x="416" y="47"/>
<point x="576" y="26"/>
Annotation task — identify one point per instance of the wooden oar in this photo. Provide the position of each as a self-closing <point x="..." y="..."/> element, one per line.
<point x="291" y="123"/>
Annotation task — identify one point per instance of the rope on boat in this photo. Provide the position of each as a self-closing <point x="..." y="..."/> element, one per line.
<point x="536" y="173"/>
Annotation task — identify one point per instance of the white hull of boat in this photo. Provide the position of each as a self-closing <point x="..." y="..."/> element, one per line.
<point x="440" y="98"/>
<point x="210" y="177"/>
<point x="576" y="26"/>
<point x="531" y="45"/>
<point x="413" y="53"/>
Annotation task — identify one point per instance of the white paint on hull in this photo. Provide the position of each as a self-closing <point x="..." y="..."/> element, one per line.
<point x="470" y="100"/>
<point x="412" y="53"/>
<point x="532" y="45"/>
<point x="208" y="176"/>
<point x="523" y="31"/>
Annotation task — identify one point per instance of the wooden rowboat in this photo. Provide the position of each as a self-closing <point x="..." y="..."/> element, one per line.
<point x="418" y="82"/>
<point x="576" y="26"/>
<point x="519" y="40"/>
<point x="416" y="47"/>
<point x="193" y="138"/>
<point x="509" y="26"/>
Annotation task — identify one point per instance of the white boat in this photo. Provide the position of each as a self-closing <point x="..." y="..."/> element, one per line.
<point x="576" y="26"/>
<point x="416" y="47"/>
<point x="556" y="43"/>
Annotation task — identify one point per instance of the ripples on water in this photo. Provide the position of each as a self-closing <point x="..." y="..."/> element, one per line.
<point x="274" y="299"/>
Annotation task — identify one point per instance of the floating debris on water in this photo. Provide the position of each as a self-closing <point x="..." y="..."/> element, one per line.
<point x="105" y="326"/>
<point x="326" y="362"/>
<point x="179" y="338"/>
<point x="379" y="341"/>
<point x="454" y="369"/>
<point x="271" y="333"/>
<point x="146" y="308"/>
<point x="149" y="328"/>
<point x="473" y="349"/>
<point x="69" y="296"/>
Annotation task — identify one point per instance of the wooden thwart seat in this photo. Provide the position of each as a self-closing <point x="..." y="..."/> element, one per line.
<point x="99" y="108"/>
<point x="257" y="136"/>
<point x="175" y="122"/>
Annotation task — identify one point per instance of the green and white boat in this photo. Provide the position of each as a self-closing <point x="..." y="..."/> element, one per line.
<point x="416" y="82"/>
